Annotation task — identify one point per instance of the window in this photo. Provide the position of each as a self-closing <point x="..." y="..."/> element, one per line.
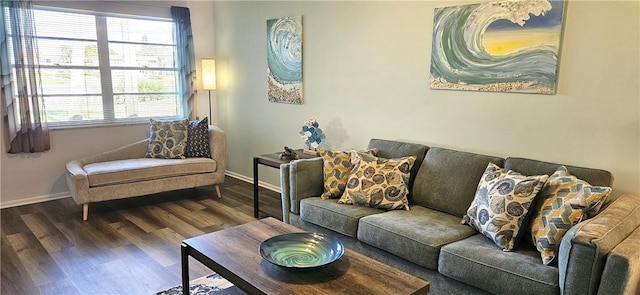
<point x="99" y="68"/>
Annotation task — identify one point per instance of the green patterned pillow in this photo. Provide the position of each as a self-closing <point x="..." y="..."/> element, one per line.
<point x="167" y="139"/>
<point x="377" y="182"/>
<point x="501" y="203"/>
<point x="566" y="200"/>
<point x="336" y="168"/>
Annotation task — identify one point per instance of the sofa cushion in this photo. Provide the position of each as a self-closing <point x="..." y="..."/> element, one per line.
<point x="167" y="139"/>
<point x="134" y="170"/>
<point x="415" y="235"/>
<point x="377" y="182"/>
<point x="336" y="168"/>
<point x="477" y="262"/>
<point x="337" y="217"/>
<point x="565" y="201"/>
<point x="198" y="139"/>
<point x="391" y="149"/>
<point x="500" y="208"/>
<point x="448" y="179"/>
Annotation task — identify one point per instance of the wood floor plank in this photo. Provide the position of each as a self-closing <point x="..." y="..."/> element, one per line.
<point x="167" y="219"/>
<point x="46" y="232"/>
<point x="13" y="270"/>
<point x="38" y="263"/>
<point x="156" y="276"/>
<point x="143" y="221"/>
<point x="129" y="246"/>
<point x="11" y="223"/>
<point x="190" y="204"/>
<point x="81" y="270"/>
<point x="60" y="287"/>
<point x="197" y="218"/>
<point x="92" y="242"/>
<point x="147" y="243"/>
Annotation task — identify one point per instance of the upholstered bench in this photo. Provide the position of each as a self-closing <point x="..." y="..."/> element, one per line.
<point x="127" y="172"/>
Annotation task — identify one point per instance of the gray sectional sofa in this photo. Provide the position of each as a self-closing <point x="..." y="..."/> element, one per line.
<point x="597" y="256"/>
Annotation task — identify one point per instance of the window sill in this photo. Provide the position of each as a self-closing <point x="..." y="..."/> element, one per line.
<point x="84" y="126"/>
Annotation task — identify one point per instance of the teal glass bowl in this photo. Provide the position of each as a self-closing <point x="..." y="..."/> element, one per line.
<point x="301" y="250"/>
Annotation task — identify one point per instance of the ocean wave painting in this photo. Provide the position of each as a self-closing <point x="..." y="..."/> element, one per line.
<point x="506" y="46"/>
<point x="284" y="59"/>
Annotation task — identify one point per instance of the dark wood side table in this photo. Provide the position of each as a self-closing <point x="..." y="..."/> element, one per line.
<point x="270" y="160"/>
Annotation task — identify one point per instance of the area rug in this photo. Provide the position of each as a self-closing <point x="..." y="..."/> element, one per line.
<point x="208" y="284"/>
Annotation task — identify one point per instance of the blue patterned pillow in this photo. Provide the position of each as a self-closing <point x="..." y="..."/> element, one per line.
<point x="198" y="139"/>
<point x="378" y="182"/>
<point x="167" y="139"/>
<point x="501" y="205"/>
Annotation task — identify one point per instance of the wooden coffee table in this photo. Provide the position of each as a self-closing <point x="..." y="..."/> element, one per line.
<point x="233" y="253"/>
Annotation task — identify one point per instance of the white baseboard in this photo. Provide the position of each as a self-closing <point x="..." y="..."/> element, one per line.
<point x="56" y="196"/>
<point x="250" y="180"/>
<point x="33" y="200"/>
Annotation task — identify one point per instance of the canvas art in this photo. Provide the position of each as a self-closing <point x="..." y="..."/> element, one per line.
<point x="284" y="59"/>
<point x="506" y="46"/>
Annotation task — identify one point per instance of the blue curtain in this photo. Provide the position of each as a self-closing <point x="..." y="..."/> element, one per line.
<point x="24" y="119"/>
<point x="186" y="58"/>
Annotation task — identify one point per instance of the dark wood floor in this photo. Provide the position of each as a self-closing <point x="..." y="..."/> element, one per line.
<point x="129" y="246"/>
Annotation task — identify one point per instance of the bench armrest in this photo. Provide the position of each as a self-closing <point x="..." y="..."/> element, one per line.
<point x="298" y="180"/>
<point x="584" y="248"/>
<point x="218" y="146"/>
<point x="135" y="150"/>
<point x="78" y="182"/>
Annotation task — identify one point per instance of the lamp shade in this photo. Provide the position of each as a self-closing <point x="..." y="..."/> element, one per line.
<point x="208" y="74"/>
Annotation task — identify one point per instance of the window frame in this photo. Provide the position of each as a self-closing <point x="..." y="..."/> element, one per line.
<point x="107" y="93"/>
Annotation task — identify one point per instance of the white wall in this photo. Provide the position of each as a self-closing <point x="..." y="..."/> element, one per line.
<point x="27" y="178"/>
<point x="366" y="66"/>
<point x="365" y="71"/>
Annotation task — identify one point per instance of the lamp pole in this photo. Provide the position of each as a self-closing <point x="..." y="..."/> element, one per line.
<point x="209" y="106"/>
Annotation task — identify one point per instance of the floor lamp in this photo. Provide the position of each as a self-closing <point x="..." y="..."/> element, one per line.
<point x="209" y="78"/>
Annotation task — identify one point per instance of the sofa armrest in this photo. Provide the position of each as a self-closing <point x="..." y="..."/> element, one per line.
<point x="285" y="192"/>
<point x="218" y="146"/>
<point x="584" y="248"/>
<point x="621" y="273"/>
<point x="305" y="179"/>
<point x="78" y="182"/>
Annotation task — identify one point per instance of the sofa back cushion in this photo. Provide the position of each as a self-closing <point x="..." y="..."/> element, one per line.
<point x="390" y="149"/>
<point x="448" y="179"/>
<point x="596" y="177"/>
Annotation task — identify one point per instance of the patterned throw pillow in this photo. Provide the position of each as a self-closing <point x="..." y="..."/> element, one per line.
<point x="168" y="139"/>
<point x="566" y="200"/>
<point x="198" y="139"/>
<point x="377" y="182"/>
<point x="500" y="206"/>
<point x="337" y="166"/>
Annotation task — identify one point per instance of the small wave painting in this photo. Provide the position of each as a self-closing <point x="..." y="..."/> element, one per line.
<point x="284" y="59"/>
<point x="506" y="46"/>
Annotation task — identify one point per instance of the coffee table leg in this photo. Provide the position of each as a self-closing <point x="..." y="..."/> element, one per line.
<point x="184" y="255"/>
<point x="255" y="187"/>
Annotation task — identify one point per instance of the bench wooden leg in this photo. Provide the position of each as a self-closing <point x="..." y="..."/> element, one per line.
<point x="218" y="192"/>
<point x="85" y="211"/>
